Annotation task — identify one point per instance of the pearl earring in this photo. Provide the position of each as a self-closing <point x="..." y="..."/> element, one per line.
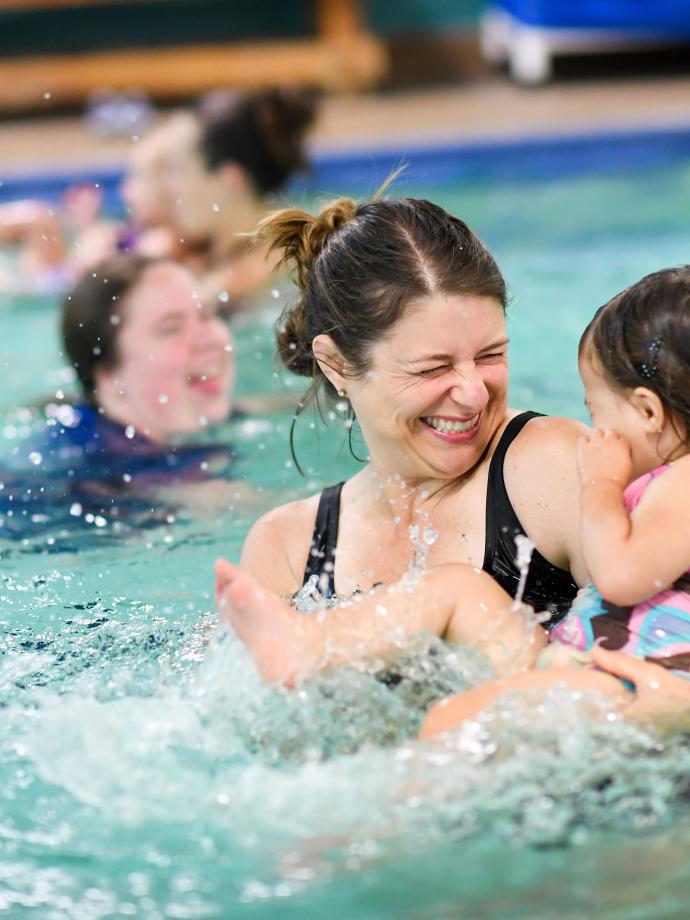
<point x="342" y="394"/>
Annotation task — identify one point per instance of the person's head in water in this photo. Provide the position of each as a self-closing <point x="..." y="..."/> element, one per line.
<point x="238" y="149"/>
<point x="147" y="188"/>
<point x="145" y="350"/>
<point x="401" y="308"/>
<point x="635" y="363"/>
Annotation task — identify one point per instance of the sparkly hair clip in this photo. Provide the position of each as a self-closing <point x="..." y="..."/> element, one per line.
<point x="649" y="367"/>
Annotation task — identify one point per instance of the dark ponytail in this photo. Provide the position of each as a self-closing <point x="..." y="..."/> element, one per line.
<point x="263" y="132"/>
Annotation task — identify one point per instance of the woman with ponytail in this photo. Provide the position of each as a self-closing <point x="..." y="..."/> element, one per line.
<point x="234" y="156"/>
<point x="401" y="312"/>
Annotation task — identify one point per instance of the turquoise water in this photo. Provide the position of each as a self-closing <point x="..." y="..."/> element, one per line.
<point x="145" y="772"/>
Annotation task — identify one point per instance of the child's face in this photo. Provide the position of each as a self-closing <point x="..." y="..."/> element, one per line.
<point x="610" y="408"/>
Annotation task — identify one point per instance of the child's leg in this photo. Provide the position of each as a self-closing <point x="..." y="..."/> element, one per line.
<point x="448" y="714"/>
<point x="457" y="602"/>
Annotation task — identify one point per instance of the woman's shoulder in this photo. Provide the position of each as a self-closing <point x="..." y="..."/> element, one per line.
<point x="288" y="519"/>
<point x="540" y="473"/>
<point x="277" y="546"/>
<point x="548" y="435"/>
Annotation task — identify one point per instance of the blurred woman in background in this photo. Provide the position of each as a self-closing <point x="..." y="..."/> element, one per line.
<point x="196" y="183"/>
<point x="155" y="367"/>
<point x="237" y="153"/>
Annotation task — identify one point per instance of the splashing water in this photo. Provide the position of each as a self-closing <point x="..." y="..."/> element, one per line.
<point x="422" y="539"/>
<point x="525" y="547"/>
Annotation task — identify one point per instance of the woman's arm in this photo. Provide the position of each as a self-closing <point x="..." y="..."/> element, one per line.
<point x="33" y="225"/>
<point x="450" y="713"/>
<point x="661" y="700"/>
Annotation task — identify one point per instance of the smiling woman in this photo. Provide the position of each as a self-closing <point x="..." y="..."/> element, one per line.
<point x="146" y="351"/>
<point x="155" y="366"/>
<point x="402" y="313"/>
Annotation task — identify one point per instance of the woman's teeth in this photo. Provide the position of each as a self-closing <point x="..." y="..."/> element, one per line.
<point x="451" y="427"/>
<point x="208" y="374"/>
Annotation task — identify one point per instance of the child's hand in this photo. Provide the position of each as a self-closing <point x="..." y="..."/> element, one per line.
<point x="604" y="455"/>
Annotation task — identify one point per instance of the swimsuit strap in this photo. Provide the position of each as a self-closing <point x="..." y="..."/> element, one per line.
<point x="496" y="488"/>
<point x="321" y="560"/>
<point x="548" y="587"/>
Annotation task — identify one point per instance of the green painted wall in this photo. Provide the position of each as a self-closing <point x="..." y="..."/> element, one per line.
<point x="146" y="23"/>
<point x="388" y="17"/>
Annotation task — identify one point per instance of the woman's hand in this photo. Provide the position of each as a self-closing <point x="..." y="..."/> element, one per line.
<point x="661" y="699"/>
<point x="604" y="455"/>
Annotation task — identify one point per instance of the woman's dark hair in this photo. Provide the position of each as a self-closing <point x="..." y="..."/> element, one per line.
<point x="92" y="314"/>
<point x="263" y="132"/>
<point x="358" y="269"/>
<point x="641" y="338"/>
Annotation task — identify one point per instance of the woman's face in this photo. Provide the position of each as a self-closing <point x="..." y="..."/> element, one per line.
<point x="175" y="368"/>
<point x="146" y="189"/>
<point x="437" y="388"/>
<point x="198" y="194"/>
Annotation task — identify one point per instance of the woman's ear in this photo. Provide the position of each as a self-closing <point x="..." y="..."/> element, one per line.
<point x="650" y="408"/>
<point x="330" y="360"/>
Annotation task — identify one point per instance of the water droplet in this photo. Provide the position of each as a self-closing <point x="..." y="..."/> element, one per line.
<point x="115" y="319"/>
<point x="46" y="95"/>
<point x="224" y="297"/>
<point x="75" y="510"/>
<point x="130" y="431"/>
<point x="215" y="208"/>
<point x="36" y="458"/>
<point x="275" y="293"/>
<point x="162" y="399"/>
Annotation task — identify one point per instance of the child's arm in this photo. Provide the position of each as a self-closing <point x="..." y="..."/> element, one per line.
<point x="631" y="557"/>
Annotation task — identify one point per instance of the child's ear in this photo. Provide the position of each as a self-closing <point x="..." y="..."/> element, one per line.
<point x="650" y="408"/>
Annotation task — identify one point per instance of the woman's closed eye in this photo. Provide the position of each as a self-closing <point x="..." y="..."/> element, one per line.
<point x="171" y="325"/>
<point x="491" y="357"/>
<point x="433" y="371"/>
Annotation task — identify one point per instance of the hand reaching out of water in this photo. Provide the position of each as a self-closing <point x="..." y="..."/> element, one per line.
<point x="661" y="699"/>
<point x="604" y="455"/>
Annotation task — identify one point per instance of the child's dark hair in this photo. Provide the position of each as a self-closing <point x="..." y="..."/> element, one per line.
<point x="641" y="338"/>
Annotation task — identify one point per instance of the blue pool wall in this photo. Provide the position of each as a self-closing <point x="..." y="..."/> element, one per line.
<point x="458" y="162"/>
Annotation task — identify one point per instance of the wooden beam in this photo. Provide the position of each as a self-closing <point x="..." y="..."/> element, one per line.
<point x="176" y="72"/>
<point x="18" y="5"/>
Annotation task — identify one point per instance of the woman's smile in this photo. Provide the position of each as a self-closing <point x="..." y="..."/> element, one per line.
<point x="451" y="428"/>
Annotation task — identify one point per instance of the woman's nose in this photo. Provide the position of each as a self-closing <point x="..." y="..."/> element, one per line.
<point x="469" y="390"/>
<point x="212" y="334"/>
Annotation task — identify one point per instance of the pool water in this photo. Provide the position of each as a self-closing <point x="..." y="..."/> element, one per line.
<point x="146" y="772"/>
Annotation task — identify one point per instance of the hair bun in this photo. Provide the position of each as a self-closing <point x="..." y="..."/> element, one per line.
<point x="302" y="236"/>
<point x="294" y="347"/>
<point x="284" y="115"/>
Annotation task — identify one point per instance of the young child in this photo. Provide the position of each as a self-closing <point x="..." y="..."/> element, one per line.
<point x="634" y="467"/>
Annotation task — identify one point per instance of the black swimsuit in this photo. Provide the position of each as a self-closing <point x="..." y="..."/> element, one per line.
<point x="547" y="587"/>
